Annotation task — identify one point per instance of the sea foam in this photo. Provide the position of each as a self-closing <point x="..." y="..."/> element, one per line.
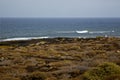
<point x="84" y="31"/>
<point x="100" y="32"/>
<point x="23" y="38"/>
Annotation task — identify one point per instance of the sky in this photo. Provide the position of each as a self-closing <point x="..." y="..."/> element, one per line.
<point x="59" y="8"/>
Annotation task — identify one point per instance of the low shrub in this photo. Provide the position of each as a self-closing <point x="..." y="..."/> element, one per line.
<point x="113" y="77"/>
<point x="9" y="78"/>
<point x="35" y="76"/>
<point x="102" y="71"/>
<point x="31" y="68"/>
<point x="51" y="78"/>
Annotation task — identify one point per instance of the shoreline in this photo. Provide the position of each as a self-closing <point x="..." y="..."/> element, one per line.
<point x="46" y="37"/>
<point x="14" y="40"/>
<point x="50" y="40"/>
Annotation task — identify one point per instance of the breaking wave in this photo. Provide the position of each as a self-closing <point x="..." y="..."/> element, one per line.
<point x="84" y="31"/>
<point x="94" y="32"/>
<point x="23" y="38"/>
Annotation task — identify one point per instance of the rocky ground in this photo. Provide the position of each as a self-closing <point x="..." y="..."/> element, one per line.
<point x="56" y="58"/>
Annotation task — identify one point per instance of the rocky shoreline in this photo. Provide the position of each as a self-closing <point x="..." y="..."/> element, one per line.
<point x="56" y="58"/>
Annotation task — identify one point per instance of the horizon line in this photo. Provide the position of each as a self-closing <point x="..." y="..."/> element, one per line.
<point x="59" y="17"/>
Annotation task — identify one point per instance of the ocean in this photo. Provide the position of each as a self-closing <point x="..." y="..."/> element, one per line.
<point x="36" y="28"/>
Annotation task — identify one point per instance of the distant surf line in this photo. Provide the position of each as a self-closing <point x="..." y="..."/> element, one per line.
<point x="85" y="31"/>
<point x="62" y="32"/>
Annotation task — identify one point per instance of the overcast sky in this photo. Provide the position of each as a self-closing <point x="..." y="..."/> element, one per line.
<point x="59" y="8"/>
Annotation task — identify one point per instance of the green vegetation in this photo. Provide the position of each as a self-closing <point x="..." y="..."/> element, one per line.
<point x="102" y="71"/>
<point x="113" y="77"/>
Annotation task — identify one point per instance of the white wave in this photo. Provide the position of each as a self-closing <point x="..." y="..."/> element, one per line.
<point x="65" y="31"/>
<point x="23" y="38"/>
<point x="112" y="31"/>
<point x="84" y="31"/>
<point x="94" y="32"/>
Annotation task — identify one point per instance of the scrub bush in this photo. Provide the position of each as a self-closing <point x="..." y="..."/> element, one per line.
<point x="102" y="71"/>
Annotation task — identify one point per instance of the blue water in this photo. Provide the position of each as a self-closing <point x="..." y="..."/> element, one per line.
<point x="18" y="28"/>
